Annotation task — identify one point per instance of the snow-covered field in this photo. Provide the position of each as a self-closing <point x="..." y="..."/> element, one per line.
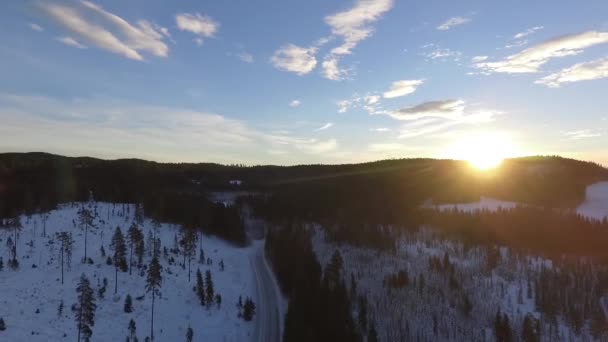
<point x="485" y="203"/>
<point x="596" y="201"/>
<point x="30" y="296"/>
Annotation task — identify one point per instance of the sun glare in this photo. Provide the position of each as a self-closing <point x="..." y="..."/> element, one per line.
<point x="483" y="151"/>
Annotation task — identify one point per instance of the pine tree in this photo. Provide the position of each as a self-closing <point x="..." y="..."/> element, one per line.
<point x="467" y="306"/>
<point x="248" y="310"/>
<point x="65" y="250"/>
<point x="189" y="334"/>
<point x="140" y="248"/>
<point x="85" y="310"/>
<point x="334" y="269"/>
<point x="133" y="234"/>
<point x="239" y="307"/>
<point x="132" y="330"/>
<point x="200" y="287"/>
<point x="60" y="309"/>
<point x="363" y="313"/>
<point x="1" y="264"/>
<point x="153" y="284"/>
<point x="530" y="329"/>
<point x="218" y="301"/>
<point x="209" y="288"/>
<point x="128" y="304"/>
<point x="189" y="240"/>
<point x="372" y="336"/>
<point x="85" y="220"/>
<point x="2" y="324"/>
<point x="120" y="251"/>
<point x="139" y="214"/>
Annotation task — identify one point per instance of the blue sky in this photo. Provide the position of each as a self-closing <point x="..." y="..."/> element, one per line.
<point x="289" y="82"/>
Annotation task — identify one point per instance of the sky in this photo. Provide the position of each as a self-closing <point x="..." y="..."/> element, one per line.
<point x="298" y="82"/>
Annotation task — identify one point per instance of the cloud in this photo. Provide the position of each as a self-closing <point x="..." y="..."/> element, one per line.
<point x="369" y="102"/>
<point x="477" y="59"/>
<point x="439" y="53"/>
<point x="531" y="59"/>
<point x="331" y="70"/>
<point x="527" y="32"/>
<point x="380" y="129"/>
<point x="295" y="103"/>
<point x="201" y="25"/>
<point x="294" y="58"/>
<point x="82" y="126"/>
<point x="245" y="57"/>
<point x="318" y="147"/>
<point x="582" y="134"/>
<point x="451" y="22"/>
<point x="435" y="116"/>
<point x="402" y="88"/>
<point x="447" y="109"/>
<point x="71" y="42"/>
<point x="324" y="127"/>
<point x="108" y="31"/>
<point x="36" y="27"/>
<point x="353" y="26"/>
<point x="585" y="71"/>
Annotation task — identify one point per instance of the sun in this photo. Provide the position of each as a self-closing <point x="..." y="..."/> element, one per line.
<point x="483" y="151"/>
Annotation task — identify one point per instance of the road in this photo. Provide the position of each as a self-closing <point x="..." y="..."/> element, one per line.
<point x="268" y="314"/>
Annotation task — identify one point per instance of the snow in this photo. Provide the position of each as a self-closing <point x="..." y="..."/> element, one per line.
<point x="485" y="203"/>
<point x="407" y="313"/>
<point x="596" y="201"/>
<point x="28" y="289"/>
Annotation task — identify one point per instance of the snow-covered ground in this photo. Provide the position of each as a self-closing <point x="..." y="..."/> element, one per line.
<point x="596" y="201"/>
<point x="30" y="297"/>
<point x="433" y="312"/>
<point x="485" y="203"/>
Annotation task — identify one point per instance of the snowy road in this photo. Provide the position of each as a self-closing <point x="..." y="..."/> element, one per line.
<point x="268" y="317"/>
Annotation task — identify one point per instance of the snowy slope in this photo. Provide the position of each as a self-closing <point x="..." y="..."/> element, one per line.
<point x="485" y="203"/>
<point x="596" y="201"/>
<point x="29" y="289"/>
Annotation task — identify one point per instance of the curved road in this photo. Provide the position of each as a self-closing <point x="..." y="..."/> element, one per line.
<point x="268" y="317"/>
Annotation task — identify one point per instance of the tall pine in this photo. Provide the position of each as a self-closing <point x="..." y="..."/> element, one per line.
<point x="85" y="309"/>
<point x="153" y="284"/>
<point x="120" y="251"/>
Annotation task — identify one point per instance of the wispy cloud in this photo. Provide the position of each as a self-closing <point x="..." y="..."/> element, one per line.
<point x="318" y="147"/>
<point x="585" y="71"/>
<point x="294" y="58"/>
<point x="447" y="109"/>
<point x="440" y="54"/>
<point x="369" y="103"/>
<point x="163" y="133"/>
<point x="105" y="30"/>
<point x="352" y="26"/>
<point x="380" y="129"/>
<point x="245" y="57"/>
<point x="435" y="116"/>
<point x="295" y="103"/>
<point x="201" y="25"/>
<point x="36" y="27"/>
<point x="402" y="88"/>
<point x="71" y="42"/>
<point x="478" y="59"/>
<point x="324" y="127"/>
<point x="582" y="134"/>
<point x="527" y="32"/>
<point x="452" y="22"/>
<point x="531" y="59"/>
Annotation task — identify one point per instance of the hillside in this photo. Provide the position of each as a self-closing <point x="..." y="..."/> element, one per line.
<point x="32" y="294"/>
